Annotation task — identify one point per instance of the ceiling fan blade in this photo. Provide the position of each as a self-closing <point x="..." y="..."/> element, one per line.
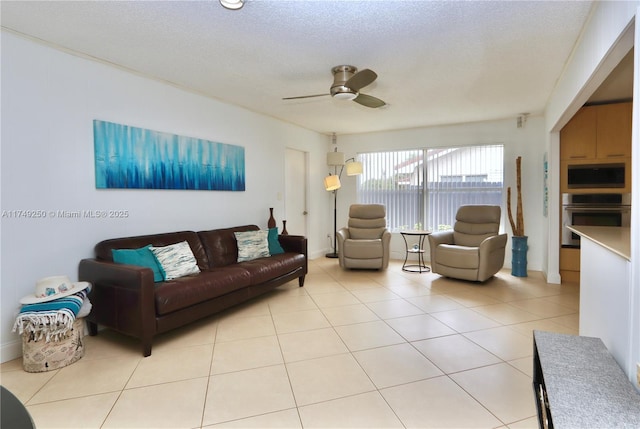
<point x="305" y="96"/>
<point x="361" y="79"/>
<point x="369" y="101"/>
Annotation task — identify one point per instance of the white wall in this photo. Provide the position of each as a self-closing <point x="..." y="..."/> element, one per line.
<point x="528" y="142"/>
<point x="605" y="40"/>
<point x="49" y="100"/>
<point x="607" y="37"/>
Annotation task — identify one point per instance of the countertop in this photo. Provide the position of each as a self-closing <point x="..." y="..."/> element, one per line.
<point x="616" y="239"/>
<point x="585" y="386"/>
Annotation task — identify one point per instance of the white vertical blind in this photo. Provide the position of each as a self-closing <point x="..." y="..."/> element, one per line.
<point x="459" y="176"/>
<point x="456" y="176"/>
<point x="393" y="179"/>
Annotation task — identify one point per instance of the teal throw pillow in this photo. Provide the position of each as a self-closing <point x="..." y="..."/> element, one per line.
<point x="274" y="245"/>
<point x="142" y="257"/>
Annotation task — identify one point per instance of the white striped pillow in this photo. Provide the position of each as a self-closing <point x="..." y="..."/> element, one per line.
<point x="177" y="260"/>
<point x="252" y="245"/>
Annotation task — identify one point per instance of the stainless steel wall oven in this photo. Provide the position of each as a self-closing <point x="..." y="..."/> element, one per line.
<point x="593" y="210"/>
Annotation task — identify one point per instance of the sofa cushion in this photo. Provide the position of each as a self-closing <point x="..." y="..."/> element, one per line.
<point x="104" y="248"/>
<point x="252" y="245"/>
<point x="265" y="269"/>
<point x="473" y="238"/>
<point x="364" y="249"/>
<point x="183" y="292"/>
<point x="221" y="246"/>
<point x="142" y="257"/>
<point x="474" y="223"/>
<point x="458" y="256"/>
<point x="177" y="260"/>
<point x="366" y="221"/>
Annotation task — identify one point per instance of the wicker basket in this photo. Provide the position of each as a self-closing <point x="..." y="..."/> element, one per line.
<point x="41" y="356"/>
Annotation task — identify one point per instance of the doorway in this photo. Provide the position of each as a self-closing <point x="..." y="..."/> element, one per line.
<point x="295" y="191"/>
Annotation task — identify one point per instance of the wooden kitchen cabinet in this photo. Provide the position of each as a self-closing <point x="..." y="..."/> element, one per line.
<point x="578" y="137"/>
<point x="601" y="132"/>
<point x="570" y="264"/>
<point x="614" y="130"/>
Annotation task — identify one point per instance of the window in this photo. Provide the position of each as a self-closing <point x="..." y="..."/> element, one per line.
<point x="455" y="176"/>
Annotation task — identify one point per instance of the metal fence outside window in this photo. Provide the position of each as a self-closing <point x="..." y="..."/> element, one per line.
<point x="408" y="209"/>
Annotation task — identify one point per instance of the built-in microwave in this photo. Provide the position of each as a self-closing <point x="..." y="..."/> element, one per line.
<point x="595" y="176"/>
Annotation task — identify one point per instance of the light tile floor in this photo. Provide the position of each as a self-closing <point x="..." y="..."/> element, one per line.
<point x="350" y="349"/>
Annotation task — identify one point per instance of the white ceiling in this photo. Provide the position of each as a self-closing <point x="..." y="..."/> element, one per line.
<point x="438" y="62"/>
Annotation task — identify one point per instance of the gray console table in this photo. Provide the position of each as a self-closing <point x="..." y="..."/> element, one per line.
<point x="578" y="384"/>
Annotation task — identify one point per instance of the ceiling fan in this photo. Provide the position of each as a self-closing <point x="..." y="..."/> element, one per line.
<point x="347" y="83"/>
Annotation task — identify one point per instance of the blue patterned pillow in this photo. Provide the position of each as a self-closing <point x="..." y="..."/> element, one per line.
<point x="177" y="260"/>
<point x="252" y="245"/>
<point x="274" y="245"/>
<point x="142" y="257"/>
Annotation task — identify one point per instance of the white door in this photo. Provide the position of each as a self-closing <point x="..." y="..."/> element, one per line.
<point x="295" y="190"/>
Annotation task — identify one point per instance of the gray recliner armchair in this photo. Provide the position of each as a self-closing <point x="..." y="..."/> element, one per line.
<point x="473" y="250"/>
<point x="365" y="241"/>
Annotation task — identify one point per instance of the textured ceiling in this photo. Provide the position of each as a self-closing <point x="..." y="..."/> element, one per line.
<point x="437" y="62"/>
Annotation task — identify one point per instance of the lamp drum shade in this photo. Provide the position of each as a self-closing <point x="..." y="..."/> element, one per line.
<point x="332" y="182"/>
<point x="335" y="158"/>
<point x="354" y="168"/>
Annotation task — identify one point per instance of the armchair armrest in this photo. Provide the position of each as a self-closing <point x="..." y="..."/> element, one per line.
<point x="491" y="250"/>
<point x="343" y="234"/>
<point x="435" y="239"/>
<point x="493" y="243"/>
<point x="386" y="241"/>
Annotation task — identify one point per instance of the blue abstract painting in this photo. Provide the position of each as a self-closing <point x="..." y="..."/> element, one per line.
<point x="130" y="157"/>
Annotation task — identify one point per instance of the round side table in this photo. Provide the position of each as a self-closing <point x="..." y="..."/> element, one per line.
<point x="418" y="249"/>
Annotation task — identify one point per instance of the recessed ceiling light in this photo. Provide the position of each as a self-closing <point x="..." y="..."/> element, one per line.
<point x="232" y="4"/>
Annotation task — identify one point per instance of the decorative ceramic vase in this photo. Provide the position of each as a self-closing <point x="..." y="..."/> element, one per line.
<point x="519" y="249"/>
<point x="284" y="228"/>
<point x="271" y="223"/>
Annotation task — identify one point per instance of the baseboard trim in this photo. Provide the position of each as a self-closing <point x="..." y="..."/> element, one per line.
<point x="10" y="351"/>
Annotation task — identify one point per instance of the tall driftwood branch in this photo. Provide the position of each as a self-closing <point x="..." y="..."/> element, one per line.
<point x="513" y="225"/>
<point x="519" y="215"/>
<point x="518" y="226"/>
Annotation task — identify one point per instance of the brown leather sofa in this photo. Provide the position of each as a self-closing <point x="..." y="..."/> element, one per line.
<point x="126" y="299"/>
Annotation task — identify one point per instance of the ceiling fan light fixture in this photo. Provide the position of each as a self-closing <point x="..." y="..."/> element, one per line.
<point x="347" y="83"/>
<point x="345" y="95"/>
<point x="342" y="92"/>
<point x="232" y="4"/>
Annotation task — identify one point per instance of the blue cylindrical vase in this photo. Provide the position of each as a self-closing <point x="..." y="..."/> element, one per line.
<point x="519" y="249"/>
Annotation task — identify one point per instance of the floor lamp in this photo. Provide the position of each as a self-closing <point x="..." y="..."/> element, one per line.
<point x="332" y="184"/>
